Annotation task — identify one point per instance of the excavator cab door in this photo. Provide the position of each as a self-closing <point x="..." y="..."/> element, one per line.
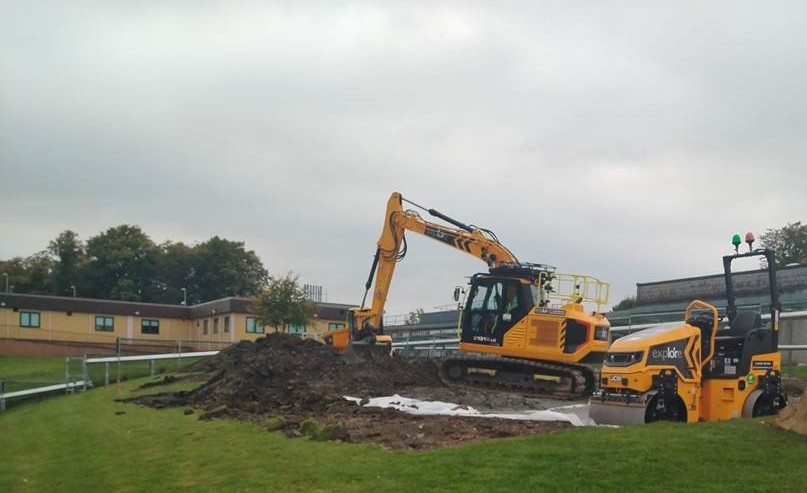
<point x="494" y="305"/>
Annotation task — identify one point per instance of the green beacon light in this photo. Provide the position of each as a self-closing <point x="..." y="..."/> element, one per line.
<point x="736" y="241"/>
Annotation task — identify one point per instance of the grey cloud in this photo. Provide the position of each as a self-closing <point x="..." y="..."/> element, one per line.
<point x="623" y="140"/>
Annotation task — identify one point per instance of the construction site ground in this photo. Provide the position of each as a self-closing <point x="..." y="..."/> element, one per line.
<point x="299" y="387"/>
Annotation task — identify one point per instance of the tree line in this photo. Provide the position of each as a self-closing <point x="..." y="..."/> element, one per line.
<point x="124" y="263"/>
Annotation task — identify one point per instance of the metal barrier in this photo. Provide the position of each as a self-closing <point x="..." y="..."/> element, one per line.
<point x="429" y="348"/>
<point x="151" y="358"/>
<point x="80" y="379"/>
<point x="439" y="345"/>
<point x="4" y="396"/>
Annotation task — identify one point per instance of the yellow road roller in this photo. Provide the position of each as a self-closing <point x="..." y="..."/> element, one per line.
<point x="699" y="371"/>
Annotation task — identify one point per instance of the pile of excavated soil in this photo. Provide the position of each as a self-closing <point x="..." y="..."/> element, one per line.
<point x="793" y="417"/>
<point x="298" y="386"/>
<point x="284" y="374"/>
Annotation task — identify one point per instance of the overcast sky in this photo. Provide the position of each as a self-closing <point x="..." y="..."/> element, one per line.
<point x="624" y="140"/>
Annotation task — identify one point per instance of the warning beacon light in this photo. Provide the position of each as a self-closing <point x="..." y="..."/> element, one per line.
<point x="735" y="240"/>
<point x="749" y="238"/>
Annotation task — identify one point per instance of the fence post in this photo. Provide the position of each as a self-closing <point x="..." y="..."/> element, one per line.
<point x="106" y="374"/>
<point x="179" y="352"/>
<point x="117" y="351"/>
<point x="151" y="367"/>
<point x="2" y="392"/>
<point x="85" y="371"/>
<point x="67" y="375"/>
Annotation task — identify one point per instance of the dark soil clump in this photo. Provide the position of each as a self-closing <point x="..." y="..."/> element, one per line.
<point x="296" y="386"/>
<point x="280" y="374"/>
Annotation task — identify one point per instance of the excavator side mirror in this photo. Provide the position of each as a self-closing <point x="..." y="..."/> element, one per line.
<point x="457" y="292"/>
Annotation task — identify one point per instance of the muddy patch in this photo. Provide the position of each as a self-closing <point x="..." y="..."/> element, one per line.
<point x="298" y="387"/>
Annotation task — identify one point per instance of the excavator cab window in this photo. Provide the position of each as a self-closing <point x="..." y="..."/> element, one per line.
<point x="493" y="307"/>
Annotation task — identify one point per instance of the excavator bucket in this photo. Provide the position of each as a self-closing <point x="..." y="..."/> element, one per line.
<point x="616" y="413"/>
<point x="363" y="351"/>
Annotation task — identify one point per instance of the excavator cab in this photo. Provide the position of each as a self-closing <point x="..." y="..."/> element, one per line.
<point x="494" y="305"/>
<point x="511" y="334"/>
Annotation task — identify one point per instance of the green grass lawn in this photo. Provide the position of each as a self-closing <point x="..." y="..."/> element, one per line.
<point x="795" y="371"/>
<point x="90" y="442"/>
<point x="24" y="372"/>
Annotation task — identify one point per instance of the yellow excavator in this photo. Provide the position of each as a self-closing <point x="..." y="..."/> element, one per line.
<point x="697" y="371"/>
<point x="519" y="327"/>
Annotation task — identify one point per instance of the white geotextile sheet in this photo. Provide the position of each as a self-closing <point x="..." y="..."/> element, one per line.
<point x="417" y="406"/>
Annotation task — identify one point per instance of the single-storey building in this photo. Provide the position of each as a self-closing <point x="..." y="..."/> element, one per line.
<point x="79" y="321"/>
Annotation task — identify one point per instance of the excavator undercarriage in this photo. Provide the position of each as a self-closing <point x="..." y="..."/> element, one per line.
<point x="551" y="379"/>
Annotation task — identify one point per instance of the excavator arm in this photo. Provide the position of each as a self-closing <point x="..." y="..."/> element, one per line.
<point x="366" y="324"/>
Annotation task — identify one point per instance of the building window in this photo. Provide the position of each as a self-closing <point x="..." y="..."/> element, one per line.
<point x="296" y="329"/>
<point x="216" y="325"/>
<point x="336" y="325"/>
<point x="29" y="319"/>
<point x="104" y="324"/>
<point x="253" y="327"/>
<point x="204" y="327"/>
<point x="226" y="324"/>
<point x="149" y="326"/>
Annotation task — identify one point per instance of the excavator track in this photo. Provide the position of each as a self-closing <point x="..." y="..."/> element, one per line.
<point x="545" y="378"/>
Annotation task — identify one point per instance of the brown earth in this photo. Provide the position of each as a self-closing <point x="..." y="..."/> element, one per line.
<point x="298" y="386"/>
<point x="794" y="416"/>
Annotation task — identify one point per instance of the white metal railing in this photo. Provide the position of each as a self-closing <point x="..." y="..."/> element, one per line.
<point x="83" y="381"/>
<point x="432" y="342"/>
<point x="440" y="342"/>
<point x="150" y="357"/>
<point x="39" y="390"/>
<point x="765" y="316"/>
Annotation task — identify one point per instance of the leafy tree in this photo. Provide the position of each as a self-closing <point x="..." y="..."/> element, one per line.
<point x="124" y="263"/>
<point x="283" y="302"/>
<point x="14" y="268"/>
<point x="415" y="316"/>
<point x="175" y="270"/>
<point x="224" y="268"/>
<point x="121" y="264"/>
<point x="28" y="275"/>
<point x="789" y="242"/>
<point x="40" y="269"/>
<point x="626" y="304"/>
<point x="69" y="255"/>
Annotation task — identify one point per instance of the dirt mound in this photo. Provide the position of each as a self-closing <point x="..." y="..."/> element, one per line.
<point x="793" y="417"/>
<point x="280" y="374"/>
<point x="296" y="386"/>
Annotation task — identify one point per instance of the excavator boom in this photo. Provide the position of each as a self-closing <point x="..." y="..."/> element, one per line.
<point x="365" y="324"/>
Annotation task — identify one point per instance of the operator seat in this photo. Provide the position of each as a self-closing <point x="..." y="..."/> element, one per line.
<point x="746" y="321"/>
<point x="736" y="341"/>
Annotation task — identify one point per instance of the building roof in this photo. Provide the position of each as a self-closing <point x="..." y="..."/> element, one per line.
<point x="754" y="283"/>
<point x="661" y="301"/>
<point x="328" y="311"/>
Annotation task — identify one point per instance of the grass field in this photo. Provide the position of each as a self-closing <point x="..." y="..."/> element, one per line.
<point x="24" y="372"/>
<point x="795" y="371"/>
<point x="90" y="442"/>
